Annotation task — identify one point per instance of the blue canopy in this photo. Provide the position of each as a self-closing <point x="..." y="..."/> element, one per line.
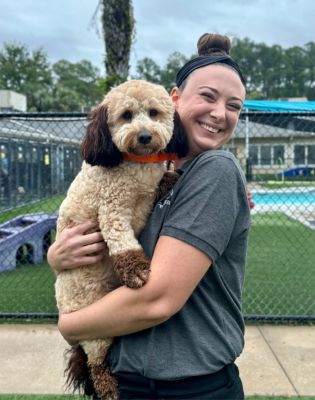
<point x="275" y="105"/>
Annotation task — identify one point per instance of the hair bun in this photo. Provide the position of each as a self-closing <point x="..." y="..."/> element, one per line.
<point x="212" y="43"/>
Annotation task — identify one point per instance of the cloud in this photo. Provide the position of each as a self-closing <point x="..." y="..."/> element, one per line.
<point x="62" y="27"/>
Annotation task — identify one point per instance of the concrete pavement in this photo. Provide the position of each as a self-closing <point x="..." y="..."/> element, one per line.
<point x="277" y="360"/>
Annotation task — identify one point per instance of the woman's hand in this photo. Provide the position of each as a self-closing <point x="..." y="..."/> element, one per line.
<point x="75" y="247"/>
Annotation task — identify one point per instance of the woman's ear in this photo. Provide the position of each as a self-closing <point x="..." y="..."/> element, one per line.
<point x="175" y="94"/>
<point x="98" y="147"/>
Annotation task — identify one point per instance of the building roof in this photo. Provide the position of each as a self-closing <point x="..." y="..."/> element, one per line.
<point x="279" y="105"/>
<point x="65" y="130"/>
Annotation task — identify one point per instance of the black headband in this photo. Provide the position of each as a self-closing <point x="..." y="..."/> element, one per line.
<point x="202" y="61"/>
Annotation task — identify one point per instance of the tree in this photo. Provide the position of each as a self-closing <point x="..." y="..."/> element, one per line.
<point x="148" y="70"/>
<point x="295" y="72"/>
<point x="77" y="80"/>
<point x="26" y="73"/>
<point x="310" y="70"/>
<point x="118" y="27"/>
<point x="174" y="62"/>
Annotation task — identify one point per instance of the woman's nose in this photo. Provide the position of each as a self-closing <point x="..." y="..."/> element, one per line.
<point x="218" y="111"/>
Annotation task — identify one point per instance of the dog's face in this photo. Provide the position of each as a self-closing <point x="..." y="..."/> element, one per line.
<point x="136" y="117"/>
<point x="139" y="117"/>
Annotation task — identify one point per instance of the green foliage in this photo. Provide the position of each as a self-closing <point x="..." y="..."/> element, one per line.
<point x="63" y="86"/>
<point x="76" y="85"/>
<point x="273" y="72"/>
<point x="26" y="73"/>
<point x="147" y="69"/>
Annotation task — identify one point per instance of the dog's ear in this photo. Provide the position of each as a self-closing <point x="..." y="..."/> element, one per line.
<point x="178" y="143"/>
<point x="98" y="147"/>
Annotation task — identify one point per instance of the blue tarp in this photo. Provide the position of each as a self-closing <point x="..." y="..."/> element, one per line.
<point x="274" y="105"/>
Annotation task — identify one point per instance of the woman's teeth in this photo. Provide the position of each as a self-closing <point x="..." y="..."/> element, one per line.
<point x="209" y="128"/>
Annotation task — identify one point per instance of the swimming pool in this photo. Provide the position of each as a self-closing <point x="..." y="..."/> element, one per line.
<point x="285" y="197"/>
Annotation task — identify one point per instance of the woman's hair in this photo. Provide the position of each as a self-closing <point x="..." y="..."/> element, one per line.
<point x="212" y="49"/>
<point x="212" y="43"/>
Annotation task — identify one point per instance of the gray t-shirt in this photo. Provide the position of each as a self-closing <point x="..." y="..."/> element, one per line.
<point x="207" y="208"/>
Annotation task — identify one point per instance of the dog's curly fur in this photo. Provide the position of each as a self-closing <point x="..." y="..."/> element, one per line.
<point x="138" y="118"/>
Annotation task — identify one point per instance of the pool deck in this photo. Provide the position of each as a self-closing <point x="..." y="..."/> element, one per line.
<point x="277" y="360"/>
<point x="304" y="213"/>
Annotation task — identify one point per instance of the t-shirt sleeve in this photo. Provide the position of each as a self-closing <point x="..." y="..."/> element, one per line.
<point x="205" y="208"/>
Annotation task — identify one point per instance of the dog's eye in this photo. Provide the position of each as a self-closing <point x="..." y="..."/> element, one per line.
<point x="153" y="112"/>
<point x="127" y="116"/>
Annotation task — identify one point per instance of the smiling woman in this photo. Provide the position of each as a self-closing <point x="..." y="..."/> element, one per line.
<point x="210" y="106"/>
<point x="196" y="239"/>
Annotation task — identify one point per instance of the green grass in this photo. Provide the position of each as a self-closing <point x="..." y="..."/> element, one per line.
<point x="280" y="267"/>
<point x="28" y="288"/>
<point x="50" y="206"/>
<point x="65" y="397"/>
<point x="40" y="397"/>
<point x="279" y="280"/>
<point x="288" y="184"/>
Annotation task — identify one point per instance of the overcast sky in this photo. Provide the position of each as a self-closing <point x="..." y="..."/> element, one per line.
<point x="63" y="27"/>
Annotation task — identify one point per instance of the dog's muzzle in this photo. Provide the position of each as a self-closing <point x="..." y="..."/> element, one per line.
<point x="144" y="137"/>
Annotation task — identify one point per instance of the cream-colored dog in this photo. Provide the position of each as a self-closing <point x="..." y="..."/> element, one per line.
<point x="116" y="187"/>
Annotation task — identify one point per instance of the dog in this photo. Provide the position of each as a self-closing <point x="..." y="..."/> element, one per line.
<point x="129" y="135"/>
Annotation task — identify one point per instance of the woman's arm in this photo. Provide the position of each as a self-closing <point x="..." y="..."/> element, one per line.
<point x="74" y="247"/>
<point x="176" y="269"/>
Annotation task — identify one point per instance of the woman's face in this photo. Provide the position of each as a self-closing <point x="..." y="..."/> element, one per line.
<point x="209" y="106"/>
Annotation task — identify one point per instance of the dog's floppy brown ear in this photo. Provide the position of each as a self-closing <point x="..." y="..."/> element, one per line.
<point x="178" y="143"/>
<point x="98" y="147"/>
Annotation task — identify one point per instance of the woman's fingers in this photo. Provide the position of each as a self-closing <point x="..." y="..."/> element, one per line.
<point x="77" y="245"/>
<point x="92" y="249"/>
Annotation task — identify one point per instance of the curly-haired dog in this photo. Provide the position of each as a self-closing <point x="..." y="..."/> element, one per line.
<point x="136" y="120"/>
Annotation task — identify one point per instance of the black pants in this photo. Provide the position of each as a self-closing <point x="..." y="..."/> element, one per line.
<point x="224" y="384"/>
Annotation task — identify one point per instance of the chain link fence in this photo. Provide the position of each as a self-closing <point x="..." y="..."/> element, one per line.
<point x="39" y="157"/>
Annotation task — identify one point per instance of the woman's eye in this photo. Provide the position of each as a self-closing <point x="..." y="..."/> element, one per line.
<point x="208" y="96"/>
<point x="153" y="112"/>
<point x="236" y="107"/>
<point x="127" y="115"/>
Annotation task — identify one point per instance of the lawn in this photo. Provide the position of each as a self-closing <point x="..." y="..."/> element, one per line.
<point x="280" y="275"/>
<point x="68" y="397"/>
<point x="50" y="206"/>
<point x="29" y="288"/>
<point x="279" y="280"/>
<point x="286" y="184"/>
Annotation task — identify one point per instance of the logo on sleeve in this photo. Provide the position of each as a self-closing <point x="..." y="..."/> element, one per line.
<point x="166" y="201"/>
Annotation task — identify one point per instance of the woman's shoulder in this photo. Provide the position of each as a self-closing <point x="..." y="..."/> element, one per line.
<point x="221" y="155"/>
<point x="212" y="165"/>
<point x="212" y="157"/>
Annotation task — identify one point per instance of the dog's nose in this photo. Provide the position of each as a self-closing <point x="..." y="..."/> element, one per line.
<point x="144" y="137"/>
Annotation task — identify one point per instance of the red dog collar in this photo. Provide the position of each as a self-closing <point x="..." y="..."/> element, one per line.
<point x="151" y="158"/>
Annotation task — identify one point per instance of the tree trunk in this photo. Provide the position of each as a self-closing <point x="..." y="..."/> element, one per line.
<point x="118" y="25"/>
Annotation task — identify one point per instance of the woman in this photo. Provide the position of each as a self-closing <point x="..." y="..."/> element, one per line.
<point x="179" y="335"/>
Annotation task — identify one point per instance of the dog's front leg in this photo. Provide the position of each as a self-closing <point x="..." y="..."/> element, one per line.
<point x="166" y="183"/>
<point x="129" y="260"/>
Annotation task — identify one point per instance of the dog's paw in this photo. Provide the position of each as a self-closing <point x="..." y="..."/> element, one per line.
<point x="132" y="268"/>
<point x="167" y="182"/>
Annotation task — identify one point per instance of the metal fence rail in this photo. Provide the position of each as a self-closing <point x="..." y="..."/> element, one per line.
<point x="39" y="157"/>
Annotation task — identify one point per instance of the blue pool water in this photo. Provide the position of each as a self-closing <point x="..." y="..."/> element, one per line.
<point x="297" y="198"/>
